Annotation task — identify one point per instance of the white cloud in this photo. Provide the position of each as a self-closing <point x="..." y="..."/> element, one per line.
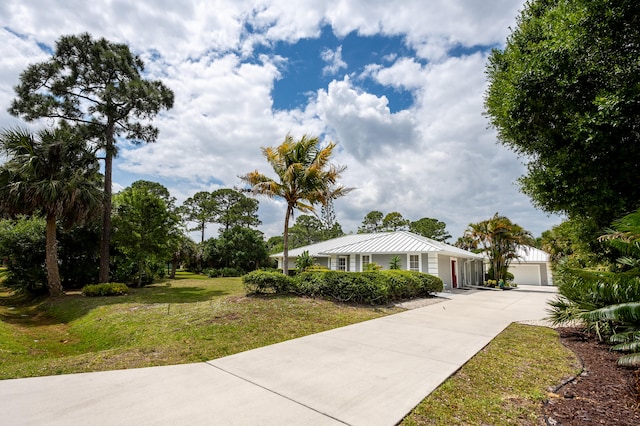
<point x="435" y="159"/>
<point x="334" y="61"/>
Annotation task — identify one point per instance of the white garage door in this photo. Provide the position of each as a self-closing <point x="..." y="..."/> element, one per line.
<point x="525" y="274"/>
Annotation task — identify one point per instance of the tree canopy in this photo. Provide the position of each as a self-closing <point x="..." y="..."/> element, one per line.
<point x="99" y="86"/>
<point x="51" y="174"/>
<point x="305" y="177"/>
<point x="430" y="228"/>
<point x="499" y="239"/>
<point x="564" y="94"/>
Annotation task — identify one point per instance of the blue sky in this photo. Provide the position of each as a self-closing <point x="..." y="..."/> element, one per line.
<point x="398" y="85"/>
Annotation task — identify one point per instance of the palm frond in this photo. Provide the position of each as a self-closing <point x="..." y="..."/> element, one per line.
<point x="623" y="312"/>
<point x="630" y="360"/>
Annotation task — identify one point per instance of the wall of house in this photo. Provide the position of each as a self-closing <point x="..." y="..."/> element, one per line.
<point x="444" y="270"/>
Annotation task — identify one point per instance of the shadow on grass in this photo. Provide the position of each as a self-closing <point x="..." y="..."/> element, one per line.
<point x="36" y="311"/>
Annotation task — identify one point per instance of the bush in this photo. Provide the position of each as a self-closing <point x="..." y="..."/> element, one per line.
<point x="231" y="272"/>
<point x="22" y="247"/>
<point x="106" y="289"/>
<point x="211" y="272"/>
<point x="366" y="287"/>
<point x="264" y="282"/>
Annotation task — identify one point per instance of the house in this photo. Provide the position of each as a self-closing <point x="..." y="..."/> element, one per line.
<point x="456" y="267"/>
<point x="532" y="267"/>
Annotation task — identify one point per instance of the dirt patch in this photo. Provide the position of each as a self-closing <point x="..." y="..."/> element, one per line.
<point x="604" y="394"/>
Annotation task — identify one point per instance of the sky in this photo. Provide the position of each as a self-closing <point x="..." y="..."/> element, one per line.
<point x="398" y="85"/>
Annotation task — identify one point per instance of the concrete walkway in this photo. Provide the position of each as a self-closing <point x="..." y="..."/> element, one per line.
<point x="371" y="373"/>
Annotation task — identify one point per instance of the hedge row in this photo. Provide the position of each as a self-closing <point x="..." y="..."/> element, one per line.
<point x="374" y="288"/>
<point x="105" y="289"/>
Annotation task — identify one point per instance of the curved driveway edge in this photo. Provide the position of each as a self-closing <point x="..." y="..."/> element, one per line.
<point x="370" y="373"/>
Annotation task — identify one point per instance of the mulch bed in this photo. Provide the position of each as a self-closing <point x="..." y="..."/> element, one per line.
<point x="604" y="394"/>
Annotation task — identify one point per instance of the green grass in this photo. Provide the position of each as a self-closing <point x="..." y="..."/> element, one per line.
<point x="504" y="384"/>
<point x="185" y="320"/>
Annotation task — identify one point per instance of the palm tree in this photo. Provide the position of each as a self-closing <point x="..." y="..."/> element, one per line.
<point x="51" y="174"/>
<point x="500" y="239"/>
<point x="305" y="178"/>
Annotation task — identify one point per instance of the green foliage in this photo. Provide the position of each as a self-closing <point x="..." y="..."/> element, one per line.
<point x="72" y="86"/>
<point x="51" y="174"/>
<point x="105" y="289"/>
<point x="239" y="248"/>
<point x="394" y="222"/>
<point x="265" y="282"/>
<point x="234" y="209"/>
<point x="499" y="239"/>
<point x="305" y="178"/>
<point x="430" y="228"/>
<point x="143" y="226"/>
<point x="304" y="261"/>
<point x="395" y="262"/>
<point x="574" y="241"/>
<point x="372" y="266"/>
<point x="22" y="247"/>
<point x="564" y="94"/>
<point x="373" y="288"/>
<point x="306" y="230"/>
<point x="201" y="209"/>
<point x="372" y="222"/>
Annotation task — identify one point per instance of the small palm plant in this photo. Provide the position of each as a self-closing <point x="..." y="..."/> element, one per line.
<point x="395" y="262"/>
<point x="304" y="261"/>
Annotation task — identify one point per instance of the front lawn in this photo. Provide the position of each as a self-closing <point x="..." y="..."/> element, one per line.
<point x="189" y="319"/>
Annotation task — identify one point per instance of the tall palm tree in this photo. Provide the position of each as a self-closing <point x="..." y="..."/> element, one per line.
<point x="51" y="174"/>
<point x="500" y="239"/>
<point x="305" y="177"/>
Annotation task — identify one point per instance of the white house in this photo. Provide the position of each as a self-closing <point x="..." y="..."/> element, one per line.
<point x="456" y="267"/>
<point x="532" y="267"/>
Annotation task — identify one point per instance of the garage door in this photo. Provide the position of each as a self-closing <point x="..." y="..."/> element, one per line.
<point x="526" y="274"/>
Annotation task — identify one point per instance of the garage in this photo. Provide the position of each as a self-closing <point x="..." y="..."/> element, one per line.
<point x="525" y="274"/>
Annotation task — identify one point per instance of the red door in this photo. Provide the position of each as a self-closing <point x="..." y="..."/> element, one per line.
<point x="454" y="276"/>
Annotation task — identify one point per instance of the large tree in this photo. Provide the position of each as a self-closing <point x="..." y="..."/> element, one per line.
<point x="97" y="85"/>
<point x="499" y="239"/>
<point x="305" y="177"/>
<point x="394" y="222"/>
<point x="564" y="94"/>
<point x="372" y="222"/>
<point x="50" y="174"/>
<point x="233" y="208"/>
<point x="430" y="228"/>
<point x="143" y="229"/>
<point x="307" y="230"/>
<point x="201" y="208"/>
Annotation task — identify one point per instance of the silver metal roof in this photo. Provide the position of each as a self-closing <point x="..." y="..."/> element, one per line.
<point x="527" y="254"/>
<point x="379" y="243"/>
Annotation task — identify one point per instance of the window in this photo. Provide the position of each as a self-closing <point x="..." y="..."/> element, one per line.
<point x="414" y="262"/>
<point x="366" y="259"/>
<point x="342" y="263"/>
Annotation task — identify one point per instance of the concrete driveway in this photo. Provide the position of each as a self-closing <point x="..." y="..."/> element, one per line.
<point x="371" y="373"/>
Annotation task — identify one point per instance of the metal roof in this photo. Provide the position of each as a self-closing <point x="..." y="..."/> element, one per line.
<point x="528" y="254"/>
<point x="379" y="243"/>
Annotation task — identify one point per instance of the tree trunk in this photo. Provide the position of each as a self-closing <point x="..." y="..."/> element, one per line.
<point x="106" y="206"/>
<point x="174" y="266"/>
<point x="53" y="274"/>
<point x="285" y="241"/>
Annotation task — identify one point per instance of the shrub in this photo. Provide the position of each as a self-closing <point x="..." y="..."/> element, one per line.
<point x="304" y="261"/>
<point x="211" y="272"/>
<point x="231" y="272"/>
<point x="105" y="289"/>
<point x="264" y="282"/>
<point x="366" y="287"/>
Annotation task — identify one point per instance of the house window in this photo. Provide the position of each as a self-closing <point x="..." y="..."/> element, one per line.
<point x="366" y="259"/>
<point x="342" y="263"/>
<point x="414" y="262"/>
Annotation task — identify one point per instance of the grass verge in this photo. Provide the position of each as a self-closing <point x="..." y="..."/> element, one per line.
<point x="504" y="384"/>
<point x="185" y="320"/>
